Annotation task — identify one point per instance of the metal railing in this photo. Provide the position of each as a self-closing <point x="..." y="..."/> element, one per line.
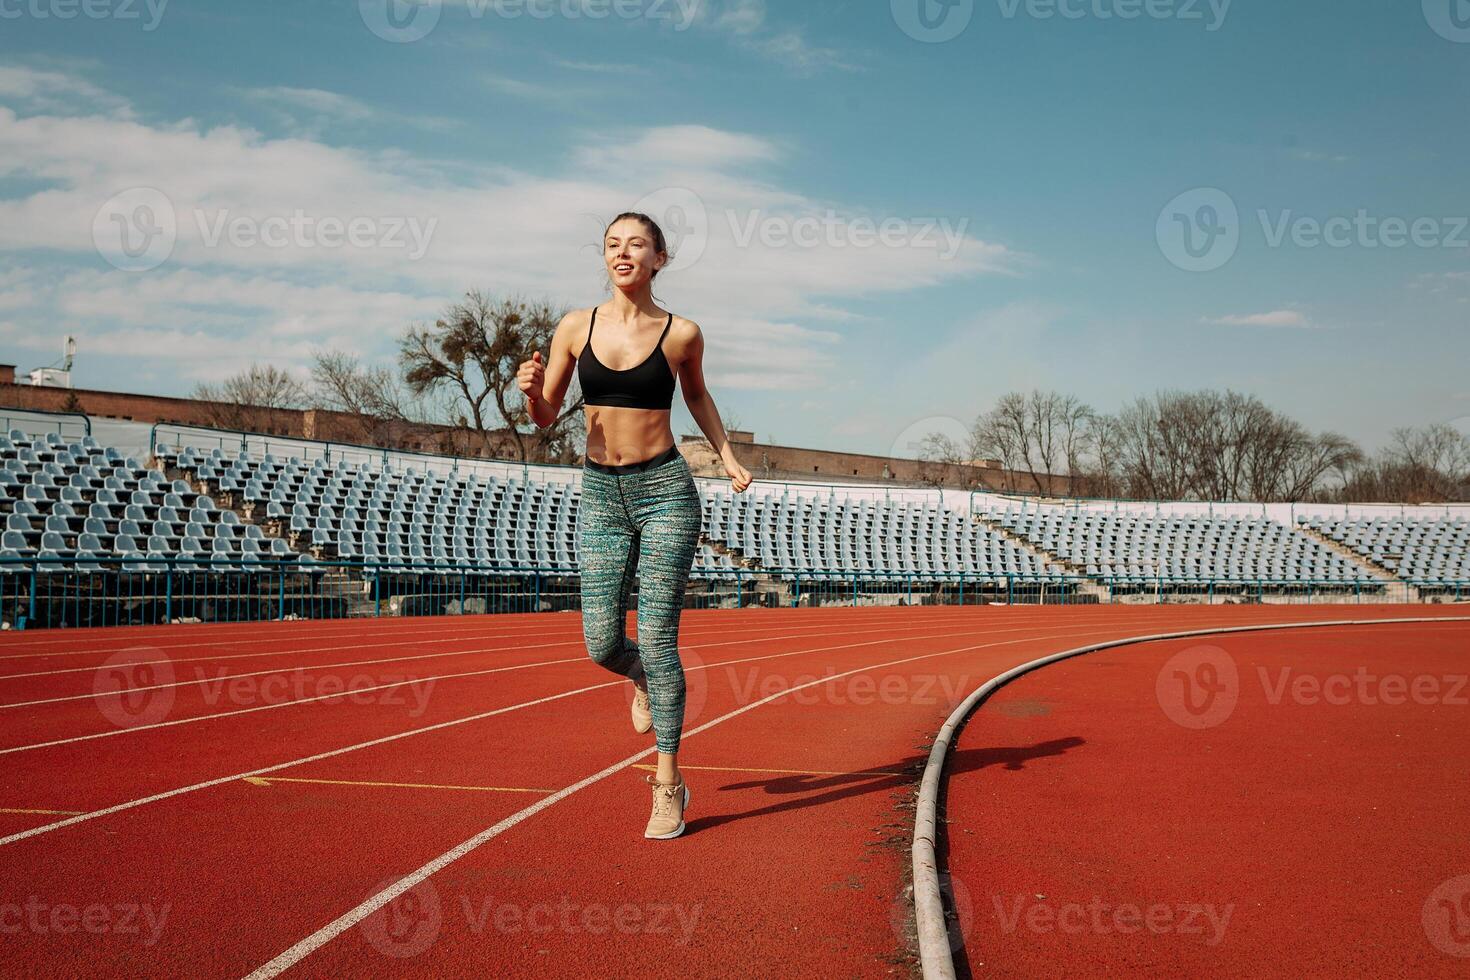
<point x="40" y="422"/>
<point x="37" y="592"/>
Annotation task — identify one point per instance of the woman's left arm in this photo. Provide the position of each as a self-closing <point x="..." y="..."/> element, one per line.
<point x="702" y="404"/>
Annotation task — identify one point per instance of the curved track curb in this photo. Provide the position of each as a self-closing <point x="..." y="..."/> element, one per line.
<point x="934" y="946"/>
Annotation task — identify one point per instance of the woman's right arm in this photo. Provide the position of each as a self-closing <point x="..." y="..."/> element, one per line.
<point x="544" y="385"/>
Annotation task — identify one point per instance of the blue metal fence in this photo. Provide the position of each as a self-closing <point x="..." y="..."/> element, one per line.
<point x="53" y="592"/>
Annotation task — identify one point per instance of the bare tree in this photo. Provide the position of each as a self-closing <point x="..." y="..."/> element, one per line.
<point x="1228" y="446"/>
<point x="256" y="399"/>
<point x="945" y="462"/>
<point x="1000" y="434"/>
<point x="1042" y="435"/>
<point x="1329" y="455"/>
<point x="473" y="352"/>
<point x="1099" y="475"/>
<point x="377" y="401"/>
<point x="731" y="423"/>
<point x="1440" y="452"/>
<point x="1429" y="465"/>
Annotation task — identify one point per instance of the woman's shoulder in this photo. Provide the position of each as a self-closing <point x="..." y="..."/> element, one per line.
<point x="577" y="319"/>
<point x="682" y="328"/>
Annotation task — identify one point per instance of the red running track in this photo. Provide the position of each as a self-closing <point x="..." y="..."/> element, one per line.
<point x="475" y="806"/>
<point x="1284" y="803"/>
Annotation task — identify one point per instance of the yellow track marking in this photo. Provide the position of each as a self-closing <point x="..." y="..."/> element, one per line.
<point x="54" y="813"/>
<point x="791" y="772"/>
<point x="259" y="781"/>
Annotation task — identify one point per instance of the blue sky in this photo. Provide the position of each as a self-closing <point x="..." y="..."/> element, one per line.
<point x="1035" y="176"/>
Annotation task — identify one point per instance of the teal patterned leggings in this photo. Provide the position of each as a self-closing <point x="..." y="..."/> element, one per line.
<point x="641" y="519"/>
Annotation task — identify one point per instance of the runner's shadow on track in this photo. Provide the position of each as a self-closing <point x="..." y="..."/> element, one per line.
<point x="816" y="790"/>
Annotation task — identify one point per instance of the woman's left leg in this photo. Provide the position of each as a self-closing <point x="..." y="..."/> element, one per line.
<point x="668" y="511"/>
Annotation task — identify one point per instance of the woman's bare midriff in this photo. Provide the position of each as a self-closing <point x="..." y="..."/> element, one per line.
<point x="619" y="436"/>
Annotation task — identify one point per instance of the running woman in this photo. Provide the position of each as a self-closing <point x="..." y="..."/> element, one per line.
<point x="640" y="509"/>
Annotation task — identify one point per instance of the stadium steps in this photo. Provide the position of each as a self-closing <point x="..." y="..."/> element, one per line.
<point x="760" y="578"/>
<point x="1084" y="584"/>
<point x="734" y="554"/>
<point x="354" y="591"/>
<point x="1357" y="558"/>
<point x="227" y="501"/>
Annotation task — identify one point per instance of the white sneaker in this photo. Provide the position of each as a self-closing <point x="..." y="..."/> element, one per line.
<point x="669" y="801"/>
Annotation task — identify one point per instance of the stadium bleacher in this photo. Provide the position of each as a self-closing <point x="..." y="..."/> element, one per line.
<point x="76" y="504"/>
<point x="1416" y="549"/>
<point x="1137" y="548"/>
<point x="794" y="533"/>
<point x="72" y="507"/>
<point x="397" y="520"/>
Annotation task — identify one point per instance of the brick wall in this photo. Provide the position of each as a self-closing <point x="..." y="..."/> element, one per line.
<point x="314" y="424"/>
<point x="764" y="460"/>
<point x="772" y="462"/>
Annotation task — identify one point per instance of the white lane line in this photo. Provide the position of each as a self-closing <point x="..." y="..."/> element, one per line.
<point x="270" y="707"/>
<point x="386" y="625"/>
<point x="203" y="680"/>
<point x="168" y="794"/>
<point x="416" y="681"/>
<point x="400" y="625"/>
<point x="247" y="640"/>
<point x="335" y="928"/>
<point x="572" y="639"/>
<point x="357" y="691"/>
<point x="694" y="629"/>
<point x="114" y="732"/>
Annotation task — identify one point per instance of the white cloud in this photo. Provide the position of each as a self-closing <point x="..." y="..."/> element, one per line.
<point x="39" y="90"/>
<point x="493" y="227"/>
<point x="312" y="100"/>
<point x="744" y="21"/>
<point x="1317" y="156"/>
<point x="1440" y="282"/>
<point x="678" y="148"/>
<point x="601" y="68"/>
<point x="307" y="112"/>
<point x="736" y="16"/>
<point x="1275" y="318"/>
<point x="791" y="49"/>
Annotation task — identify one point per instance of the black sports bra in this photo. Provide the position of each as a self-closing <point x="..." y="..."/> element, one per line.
<point x="649" y="385"/>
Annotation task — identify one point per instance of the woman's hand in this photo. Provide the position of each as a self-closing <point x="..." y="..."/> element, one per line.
<point x="739" y="475"/>
<point x="530" y="376"/>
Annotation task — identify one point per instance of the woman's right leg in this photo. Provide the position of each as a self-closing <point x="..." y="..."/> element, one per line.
<point x="607" y="553"/>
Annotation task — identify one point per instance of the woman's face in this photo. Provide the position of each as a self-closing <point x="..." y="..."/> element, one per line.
<point x="631" y="255"/>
